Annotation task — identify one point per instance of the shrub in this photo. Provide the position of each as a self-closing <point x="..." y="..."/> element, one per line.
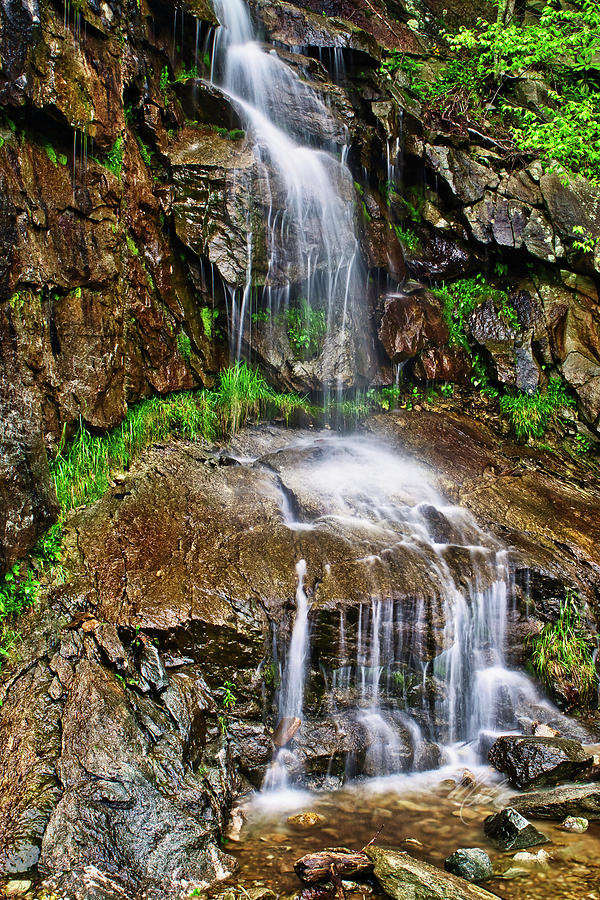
<point x="306" y="329"/>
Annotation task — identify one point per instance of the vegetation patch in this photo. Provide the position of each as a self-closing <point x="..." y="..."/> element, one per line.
<point x="530" y="414"/>
<point x="563" y="654"/>
<point x="462" y="297"/>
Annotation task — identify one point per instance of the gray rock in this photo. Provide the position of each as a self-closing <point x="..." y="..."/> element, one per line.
<point x="509" y="830"/>
<point x="535" y="760"/>
<point x="560" y="802"/>
<point x="471" y="863"/>
<point x="405" y="878"/>
<point x="152" y="667"/>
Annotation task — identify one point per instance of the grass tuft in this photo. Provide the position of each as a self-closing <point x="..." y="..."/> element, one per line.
<point x="562" y="653"/>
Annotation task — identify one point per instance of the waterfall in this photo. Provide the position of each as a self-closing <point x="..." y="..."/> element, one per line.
<point x="418" y="672"/>
<point x="313" y="257"/>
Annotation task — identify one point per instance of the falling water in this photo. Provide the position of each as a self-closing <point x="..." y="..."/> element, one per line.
<point x="419" y="670"/>
<point x="307" y="192"/>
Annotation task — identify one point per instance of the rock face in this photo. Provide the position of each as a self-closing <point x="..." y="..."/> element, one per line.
<point x="561" y="802"/>
<point x="509" y="830"/>
<point x="529" y="761"/>
<point x="405" y="878"/>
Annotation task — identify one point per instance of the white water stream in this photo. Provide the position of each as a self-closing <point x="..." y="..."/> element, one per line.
<point x="308" y="222"/>
<point x="418" y="668"/>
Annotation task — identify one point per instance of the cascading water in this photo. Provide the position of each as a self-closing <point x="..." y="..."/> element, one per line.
<point x="418" y="671"/>
<point x="312" y="250"/>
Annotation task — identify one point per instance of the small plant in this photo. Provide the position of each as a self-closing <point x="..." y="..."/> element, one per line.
<point x="164" y="85"/>
<point x="113" y="161"/>
<point x="306" y="329"/>
<point x="582" y="444"/>
<point x="447" y="389"/>
<point x="208" y="316"/>
<point x="462" y="297"/>
<point x="530" y="414"/>
<point x="50" y="152"/>
<point x="229" y="699"/>
<point x="144" y="151"/>
<point x="562" y="652"/>
<point x="407" y="238"/>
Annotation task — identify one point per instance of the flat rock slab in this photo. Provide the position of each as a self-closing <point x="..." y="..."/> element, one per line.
<point x="561" y="802"/>
<point x="405" y="878"/>
<point x="528" y="761"/>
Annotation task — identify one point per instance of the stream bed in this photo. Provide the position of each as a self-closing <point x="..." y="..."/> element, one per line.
<point x="429" y="815"/>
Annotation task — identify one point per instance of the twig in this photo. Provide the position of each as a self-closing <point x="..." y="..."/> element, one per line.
<point x="373" y="839"/>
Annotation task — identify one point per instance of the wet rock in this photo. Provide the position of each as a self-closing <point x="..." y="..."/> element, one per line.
<point x="128" y="801"/>
<point x="152" y="667"/>
<point x="467" y="178"/>
<point x="534" y="760"/>
<point x="410" y="324"/>
<point x="575" y="824"/>
<point x="472" y="864"/>
<point x="252" y="749"/>
<point x="509" y="830"/>
<point x="29" y="786"/>
<point x="405" y="878"/>
<point x="509" y="349"/>
<point x="583" y="802"/>
<point x="540" y="860"/>
<point x="15" y="888"/>
<point x="27" y="499"/>
<point x="285" y="730"/>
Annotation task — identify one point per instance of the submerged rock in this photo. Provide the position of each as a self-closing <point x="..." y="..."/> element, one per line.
<point x="405" y="878"/>
<point x="537" y="760"/>
<point x="472" y="864"/>
<point x="509" y="830"/>
<point x="560" y="802"/>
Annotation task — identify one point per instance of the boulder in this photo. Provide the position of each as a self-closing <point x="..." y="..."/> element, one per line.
<point x="509" y="830"/>
<point x="561" y="802"/>
<point x="405" y="878"/>
<point x="472" y="864"/>
<point x="534" y="760"/>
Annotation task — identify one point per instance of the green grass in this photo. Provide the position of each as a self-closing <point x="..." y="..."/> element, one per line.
<point x="531" y="414"/>
<point x="562" y="653"/>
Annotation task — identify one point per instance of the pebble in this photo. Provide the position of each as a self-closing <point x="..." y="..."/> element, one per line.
<point x="575" y="824"/>
<point x="541" y="858"/>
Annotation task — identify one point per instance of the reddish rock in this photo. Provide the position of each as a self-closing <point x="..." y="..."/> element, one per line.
<point x="411" y="323"/>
